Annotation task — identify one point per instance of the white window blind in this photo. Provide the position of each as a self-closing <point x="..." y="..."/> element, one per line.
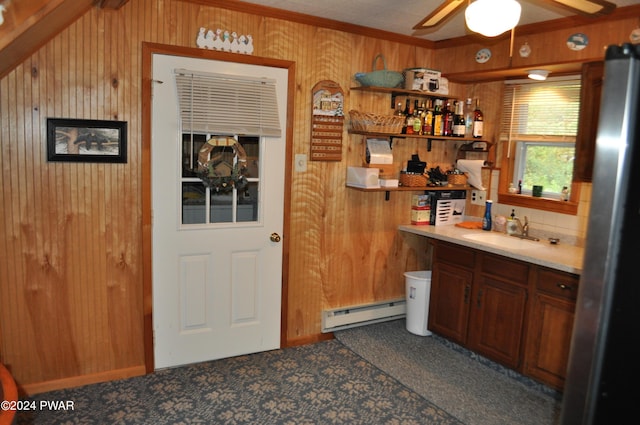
<point x="543" y="110"/>
<point x="227" y="104"/>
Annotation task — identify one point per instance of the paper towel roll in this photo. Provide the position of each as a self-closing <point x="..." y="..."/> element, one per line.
<point x="379" y="151"/>
<point x="474" y="169"/>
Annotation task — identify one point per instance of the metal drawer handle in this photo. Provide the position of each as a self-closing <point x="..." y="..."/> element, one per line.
<point x="564" y="286"/>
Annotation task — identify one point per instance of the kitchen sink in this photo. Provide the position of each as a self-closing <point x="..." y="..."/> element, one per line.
<point x="503" y="241"/>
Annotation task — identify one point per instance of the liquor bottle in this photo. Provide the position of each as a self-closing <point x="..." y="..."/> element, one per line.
<point x="417" y="119"/>
<point x="427" y="119"/>
<point x="468" y="118"/>
<point x="486" y="220"/>
<point x="478" y="121"/>
<point x="437" y="118"/>
<point x="447" y="120"/>
<point x="406" y="113"/>
<point x="407" y="107"/>
<point x="399" y="111"/>
<point x="458" y="120"/>
<point x="409" y="122"/>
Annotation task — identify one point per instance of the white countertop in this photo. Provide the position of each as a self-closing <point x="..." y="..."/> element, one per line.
<point x="564" y="257"/>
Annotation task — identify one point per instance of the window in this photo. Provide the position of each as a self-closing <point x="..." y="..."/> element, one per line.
<point x="548" y="164"/>
<point x="539" y="126"/>
<point x="223" y="118"/>
<point x="202" y="205"/>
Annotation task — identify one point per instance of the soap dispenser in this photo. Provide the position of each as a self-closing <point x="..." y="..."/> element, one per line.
<point x="512" y="225"/>
<point x="486" y="220"/>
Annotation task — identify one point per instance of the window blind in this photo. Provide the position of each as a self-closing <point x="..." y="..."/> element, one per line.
<point x="227" y="104"/>
<point x="542" y="110"/>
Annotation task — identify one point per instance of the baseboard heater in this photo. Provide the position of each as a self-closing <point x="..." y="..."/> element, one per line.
<point x="365" y="314"/>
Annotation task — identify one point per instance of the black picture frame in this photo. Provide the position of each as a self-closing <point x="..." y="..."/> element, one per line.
<point x="78" y="140"/>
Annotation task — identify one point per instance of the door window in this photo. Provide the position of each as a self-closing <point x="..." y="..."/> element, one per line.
<point x="220" y="184"/>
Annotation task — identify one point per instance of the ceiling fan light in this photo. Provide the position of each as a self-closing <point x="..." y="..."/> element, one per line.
<point x="492" y="17"/>
<point x="538" y="74"/>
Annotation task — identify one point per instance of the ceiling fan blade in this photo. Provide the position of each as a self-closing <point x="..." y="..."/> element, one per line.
<point x="586" y="7"/>
<point x="441" y="14"/>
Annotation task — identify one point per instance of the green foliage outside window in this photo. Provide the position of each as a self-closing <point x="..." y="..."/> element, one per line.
<point x="550" y="166"/>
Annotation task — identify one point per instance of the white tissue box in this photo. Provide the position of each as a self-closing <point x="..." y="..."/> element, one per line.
<point x="363" y="177"/>
<point x="389" y="182"/>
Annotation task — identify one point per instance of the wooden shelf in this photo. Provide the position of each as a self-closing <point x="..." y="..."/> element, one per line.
<point x="428" y="138"/>
<point x="387" y="190"/>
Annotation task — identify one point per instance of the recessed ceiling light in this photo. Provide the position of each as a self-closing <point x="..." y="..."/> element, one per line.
<point x="538" y="74"/>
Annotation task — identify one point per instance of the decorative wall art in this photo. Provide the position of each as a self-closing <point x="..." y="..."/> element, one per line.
<point x="525" y="50"/>
<point x="577" y="41"/>
<point x="76" y="140"/>
<point x="483" y="55"/>
<point x="327" y="120"/>
<point x="224" y="41"/>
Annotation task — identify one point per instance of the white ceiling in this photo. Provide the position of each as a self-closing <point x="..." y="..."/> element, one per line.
<point x="400" y="16"/>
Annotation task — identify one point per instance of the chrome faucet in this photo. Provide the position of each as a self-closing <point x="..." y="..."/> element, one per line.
<point x="523" y="229"/>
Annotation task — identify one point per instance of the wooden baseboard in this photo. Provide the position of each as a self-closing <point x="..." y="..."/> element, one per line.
<point x="309" y="339"/>
<point x="77" y="381"/>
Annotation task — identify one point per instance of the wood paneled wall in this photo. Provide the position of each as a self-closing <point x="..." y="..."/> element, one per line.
<point x="71" y="275"/>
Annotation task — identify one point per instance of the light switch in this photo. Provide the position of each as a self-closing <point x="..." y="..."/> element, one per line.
<point x="300" y="162"/>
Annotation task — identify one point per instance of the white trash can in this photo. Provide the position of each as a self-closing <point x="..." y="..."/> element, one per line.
<point x="418" y="289"/>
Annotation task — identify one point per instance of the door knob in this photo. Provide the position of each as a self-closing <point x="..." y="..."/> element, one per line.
<point x="275" y="237"/>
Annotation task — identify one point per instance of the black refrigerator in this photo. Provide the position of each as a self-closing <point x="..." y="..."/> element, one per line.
<point x="603" y="379"/>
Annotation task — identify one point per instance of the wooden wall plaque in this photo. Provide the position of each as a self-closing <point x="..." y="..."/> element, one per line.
<point x="327" y="121"/>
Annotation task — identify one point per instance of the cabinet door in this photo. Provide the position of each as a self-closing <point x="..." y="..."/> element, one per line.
<point x="449" y="301"/>
<point x="497" y="317"/>
<point x="549" y="339"/>
<point x="590" y="94"/>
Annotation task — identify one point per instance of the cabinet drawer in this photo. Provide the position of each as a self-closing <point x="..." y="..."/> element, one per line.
<point x="455" y="254"/>
<point x="558" y="283"/>
<point x="510" y="270"/>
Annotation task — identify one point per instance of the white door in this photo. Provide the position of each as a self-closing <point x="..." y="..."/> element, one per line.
<point x="217" y="269"/>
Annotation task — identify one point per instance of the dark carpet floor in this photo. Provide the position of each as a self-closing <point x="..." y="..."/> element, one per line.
<point x="473" y="389"/>
<point x="377" y="374"/>
<point x="324" y="383"/>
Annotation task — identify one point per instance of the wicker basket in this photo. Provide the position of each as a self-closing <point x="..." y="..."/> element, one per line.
<point x="413" y="180"/>
<point x="457" y="179"/>
<point x="380" y="78"/>
<point x="375" y="123"/>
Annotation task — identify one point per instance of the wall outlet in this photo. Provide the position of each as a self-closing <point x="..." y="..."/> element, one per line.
<point x="478" y="197"/>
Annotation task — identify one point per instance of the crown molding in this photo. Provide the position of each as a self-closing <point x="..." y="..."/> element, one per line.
<point x="272" y="12"/>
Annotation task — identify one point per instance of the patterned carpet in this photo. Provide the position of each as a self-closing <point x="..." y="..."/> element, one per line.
<point x="324" y="383"/>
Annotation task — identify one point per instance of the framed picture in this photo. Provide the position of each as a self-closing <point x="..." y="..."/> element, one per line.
<point x="86" y="140"/>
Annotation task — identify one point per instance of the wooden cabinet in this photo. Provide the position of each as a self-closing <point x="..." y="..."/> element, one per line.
<point x="550" y="326"/>
<point x="590" y="94"/>
<point x="451" y="283"/>
<point x="498" y="309"/>
<point x="476" y="302"/>
<point x="515" y="313"/>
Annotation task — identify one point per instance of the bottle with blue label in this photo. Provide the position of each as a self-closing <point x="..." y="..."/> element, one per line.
<point x="486" y="220"/>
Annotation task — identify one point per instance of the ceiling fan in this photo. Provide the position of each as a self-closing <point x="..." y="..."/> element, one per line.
<point x="499" y="14"/>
